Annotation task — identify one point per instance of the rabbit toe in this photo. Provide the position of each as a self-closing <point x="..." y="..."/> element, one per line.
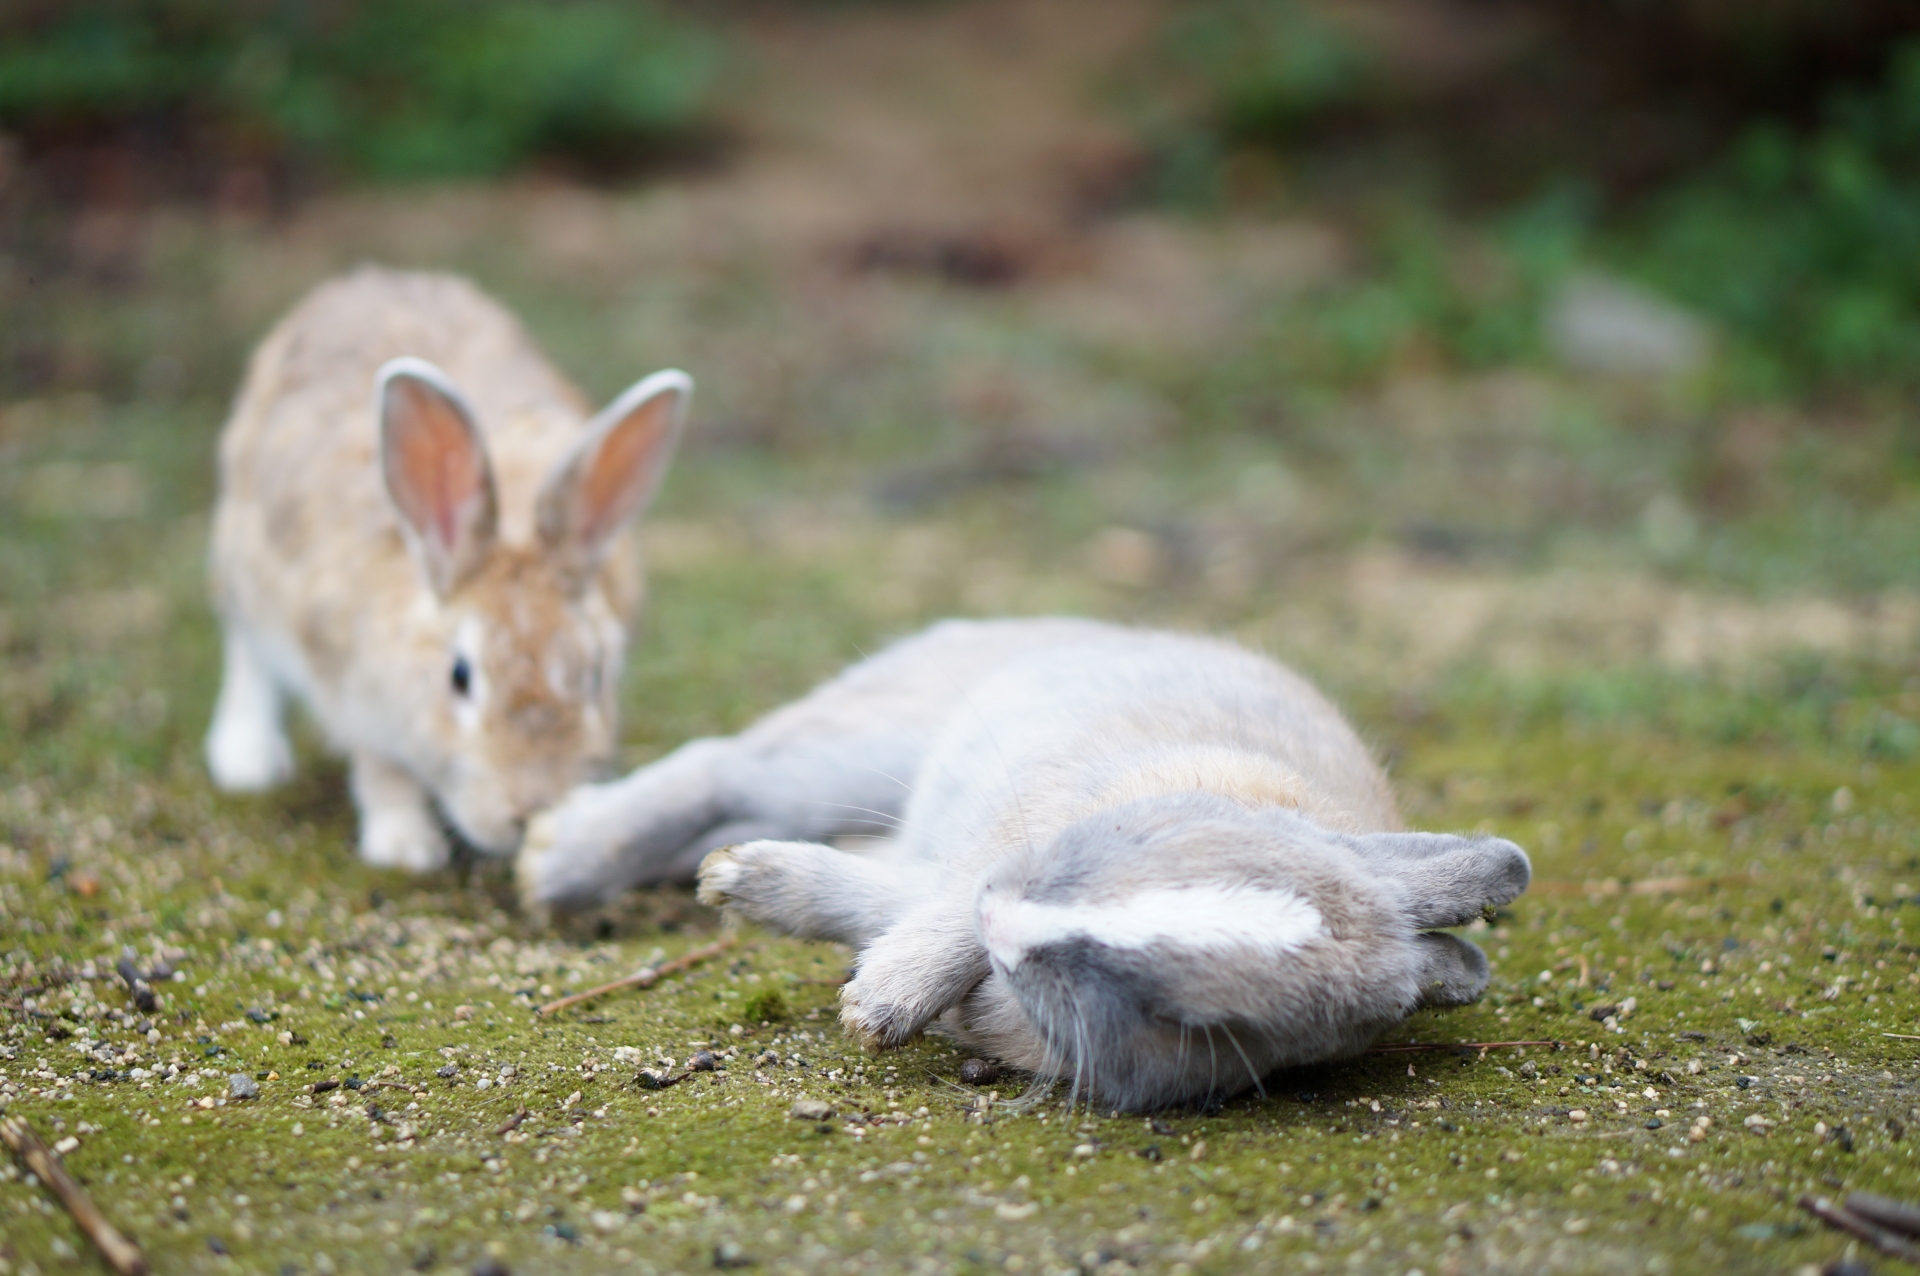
<point x="530" y="863"/>
<point x="876" y="1028"/>
<point x="720" y="875"/>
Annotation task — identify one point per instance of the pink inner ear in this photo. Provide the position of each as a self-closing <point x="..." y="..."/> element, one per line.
<point x="623" y="467"/>
<point x="439" y="470"/>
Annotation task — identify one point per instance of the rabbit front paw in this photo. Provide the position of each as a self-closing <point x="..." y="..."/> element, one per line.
<point x="402" y="838"/>
<point x="908" y="978"/>
<point x="248" y="754"/>
<point x="876" y="1028"/>
<point x="571" y="853"/>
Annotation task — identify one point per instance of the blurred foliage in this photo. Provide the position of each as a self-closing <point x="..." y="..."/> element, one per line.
<point x="1269" y="66"/>
<point x="1798" y="235"/>
<point x="1807" y="243"/>
<point x="1240" y="73"/>
<point x="384" y="88"/>
<point x="1427" y="291"/>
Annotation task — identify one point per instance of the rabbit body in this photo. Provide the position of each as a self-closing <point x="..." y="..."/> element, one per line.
<point x="392" y="546"/>
<point x="1158" y="866"/>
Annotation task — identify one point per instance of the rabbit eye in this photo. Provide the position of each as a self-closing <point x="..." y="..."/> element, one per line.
<point x="462" y="676"/>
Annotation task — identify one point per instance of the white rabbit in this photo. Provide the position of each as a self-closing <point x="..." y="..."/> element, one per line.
<point x="1160" y="866"/>
<point x="421" y="533"/>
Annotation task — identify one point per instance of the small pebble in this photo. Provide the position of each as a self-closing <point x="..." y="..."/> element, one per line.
<point x="448" y="1072"/>
<point x="979" y="1072"/>
<point x="811" y="1110"/>
<point x="491" y="1267"/>
<point x="242" y="1086"/>
<point x="703" y="1061"/>
<point x="729" y="1254"/>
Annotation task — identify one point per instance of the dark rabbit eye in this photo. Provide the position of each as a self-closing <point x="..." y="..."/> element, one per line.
<point x="462" y="676"/>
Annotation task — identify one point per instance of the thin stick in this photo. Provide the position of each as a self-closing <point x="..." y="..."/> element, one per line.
<point x="121" y="1254"/>
<point x="1896" y="1216"/>
<point x="1901" y="1036"/>
<point x="512" y="1123"/>
<point x="1848" y="1221"/>
<point x="645" y="977"/>
<point x="1645" y="886"/>
<point x="1407" y="1046"/>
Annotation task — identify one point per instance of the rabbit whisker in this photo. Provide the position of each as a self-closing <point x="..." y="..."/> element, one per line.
<point x="1252" y="1075"/>
<point x="887" y="819"/>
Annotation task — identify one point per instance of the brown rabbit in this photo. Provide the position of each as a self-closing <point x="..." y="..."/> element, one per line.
<point x="441" y="573"/>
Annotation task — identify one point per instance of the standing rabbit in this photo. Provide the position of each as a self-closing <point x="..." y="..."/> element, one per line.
<point x="421" y="534"/>
<point x="1158" y="865"/>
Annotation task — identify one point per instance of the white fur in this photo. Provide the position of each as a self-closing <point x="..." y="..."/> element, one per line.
<point x="1155" y="864"/>
<point x="247" y="748"/>
<point x="1209" y="918"/>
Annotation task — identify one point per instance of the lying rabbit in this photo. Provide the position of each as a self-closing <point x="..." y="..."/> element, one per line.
<point x="431" y="555"/>
<point x="1159" y="866"/>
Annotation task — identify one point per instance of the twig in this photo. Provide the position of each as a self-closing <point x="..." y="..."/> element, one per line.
<point x="1407" y="1046"/>
<point x="1645" y="886"/>
<point x="1901" y="1036"/>
<point x="121" y="1254"/>
<point x="645" y="977"/>
<point x="137" y="985"/>
<point x="1886" y="1212"/>
<point x="512" y="1123"/>
<point x="388" y="1085"/>
<point x="1847" y="1221"/>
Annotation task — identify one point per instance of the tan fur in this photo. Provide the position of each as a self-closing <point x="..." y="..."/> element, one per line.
<point x="313" y="576"/>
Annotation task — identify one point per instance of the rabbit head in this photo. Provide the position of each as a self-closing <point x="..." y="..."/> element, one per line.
<point x="1181" y="947"/>
<point x="514" y="651"/>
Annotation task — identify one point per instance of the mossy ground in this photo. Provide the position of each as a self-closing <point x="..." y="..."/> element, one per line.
<point x="1744" y="885"/>
<point x="1491" y="571"/>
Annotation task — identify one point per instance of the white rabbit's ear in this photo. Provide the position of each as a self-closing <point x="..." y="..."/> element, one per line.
<point x="611" y="475"/>
<point x="436" y="470"/>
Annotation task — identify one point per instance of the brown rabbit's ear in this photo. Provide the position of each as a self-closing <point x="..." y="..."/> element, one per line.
<point x="611" y="475"/>
<point x="436" y="470"/>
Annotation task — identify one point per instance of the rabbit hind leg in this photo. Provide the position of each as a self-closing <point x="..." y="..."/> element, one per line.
<point x="809" y="890"/>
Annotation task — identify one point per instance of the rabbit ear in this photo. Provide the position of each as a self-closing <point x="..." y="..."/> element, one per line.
<point x="1448" y="879"/>
<point x="613" y="472"/>
<point x="436" y="470"/>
